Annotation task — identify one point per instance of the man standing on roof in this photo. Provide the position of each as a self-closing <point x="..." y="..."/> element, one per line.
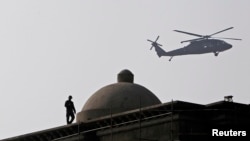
<point x="70" y="110"/>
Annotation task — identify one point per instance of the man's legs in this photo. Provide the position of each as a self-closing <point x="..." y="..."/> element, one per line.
<point x="67" y="118"/>
<point x="72" y="118"/>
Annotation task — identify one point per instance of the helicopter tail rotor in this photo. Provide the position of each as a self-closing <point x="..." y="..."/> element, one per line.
<point x="151" y="47"/>
<point x="154" y="43"/>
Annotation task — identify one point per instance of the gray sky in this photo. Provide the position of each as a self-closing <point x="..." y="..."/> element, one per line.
<point x="50" y="49"/>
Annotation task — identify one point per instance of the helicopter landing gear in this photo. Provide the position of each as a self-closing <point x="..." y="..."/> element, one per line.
<point x="170" y="58"/>
<point x="216" y="53"/>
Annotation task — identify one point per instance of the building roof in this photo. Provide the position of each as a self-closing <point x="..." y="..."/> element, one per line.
<point x="188" y="113"/>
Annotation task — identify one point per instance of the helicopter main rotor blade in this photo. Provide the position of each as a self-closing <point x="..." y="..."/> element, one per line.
<point x="227" y="38"/>
<point x="221" y="31"/>
<point x="192" y="40"/>
<point x="197" y="35"/>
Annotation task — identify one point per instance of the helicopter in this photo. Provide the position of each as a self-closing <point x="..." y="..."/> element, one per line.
<point x="201" y="45"/>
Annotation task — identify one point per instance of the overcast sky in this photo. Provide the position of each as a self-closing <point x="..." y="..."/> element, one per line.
<point x="50" y="49"/>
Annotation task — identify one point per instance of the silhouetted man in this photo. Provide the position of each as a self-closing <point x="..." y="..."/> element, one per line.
<point x="70" y="110"/>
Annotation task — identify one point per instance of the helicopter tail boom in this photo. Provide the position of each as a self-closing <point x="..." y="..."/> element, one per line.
<point x="160" y="52"/>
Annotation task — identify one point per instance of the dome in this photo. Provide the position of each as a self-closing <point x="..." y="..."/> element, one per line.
<point x="116" y="98"/>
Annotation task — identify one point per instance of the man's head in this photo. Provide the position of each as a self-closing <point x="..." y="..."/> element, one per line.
<point x="70" y="97"/>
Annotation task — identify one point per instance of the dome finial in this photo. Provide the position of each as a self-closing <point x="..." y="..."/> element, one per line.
<point x="125" y="76"/>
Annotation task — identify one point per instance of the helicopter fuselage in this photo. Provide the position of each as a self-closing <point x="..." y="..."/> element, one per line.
<point x="197" y="47"/>
<point x="200" y="47"/>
